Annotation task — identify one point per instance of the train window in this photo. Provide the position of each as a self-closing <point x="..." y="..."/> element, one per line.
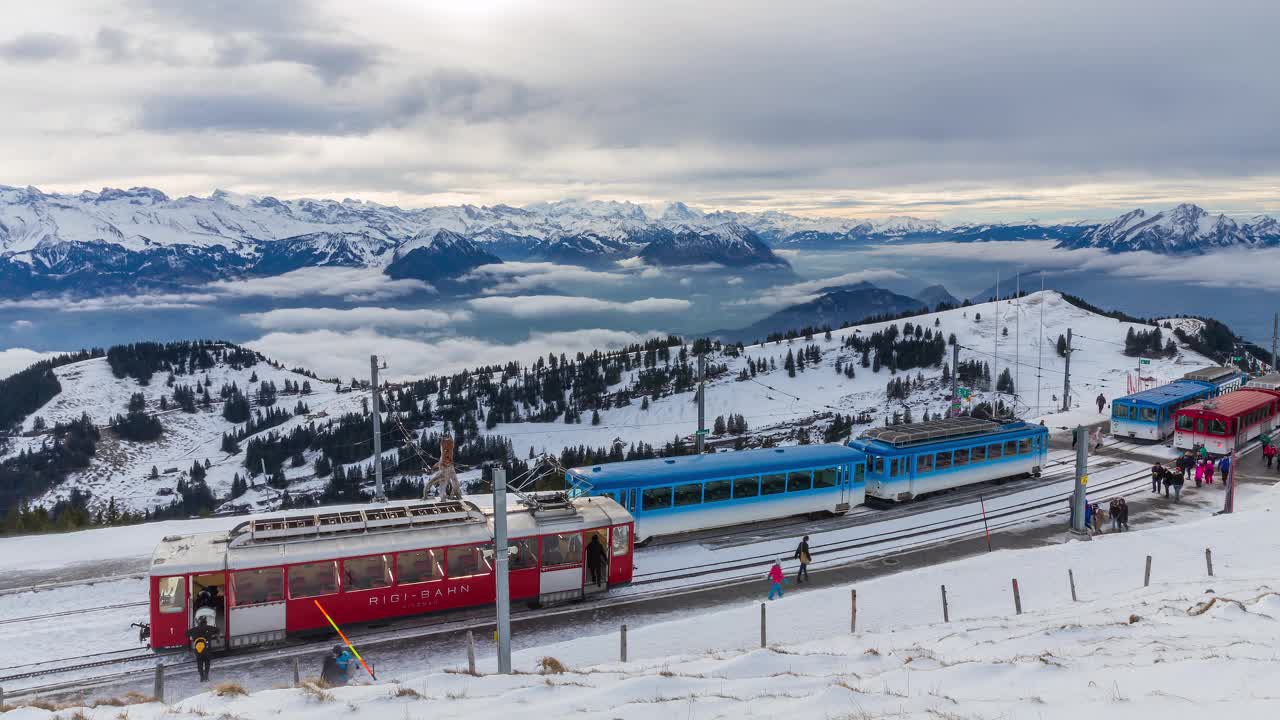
<point x="995" y="452"/>
<point x="173" y="595"/>
<point x="1011" y="448"/>
<point x="717" y="490"/>
<point x="859" y="474"/>
<point x="1200" y="425"/>
<point x="523" y="554"/>
<point x="1120" y="412"/>
<point x="313" y="579"/>
<point x="1024" y="447"/>
<point x="1185" y="422"/>
<point x="961" y="457"/>
<point x="1217" y="427"/>
<point x="621" y="540"/>
<point x="978" y="454"/>
<point x="657" y="498"/>
<point x="419" y="566"/>
<point x="1148" y="414"/>
<point x="366" y="573"/>
<point x="468" y="560"/>
<point x="942" y="461"/>
<point x="254" y="587"/>
<point x="562" y="549"/>
<point x="877" y="465"/>
<point x="893" y="468"/>
<point x="746" y="487"/>
<point x="924" y="463"/>
<point x="799" y="481"/>
<point x="773" y="484"/>
<point x="825" y="478"/>
<point x="688" y="494"/>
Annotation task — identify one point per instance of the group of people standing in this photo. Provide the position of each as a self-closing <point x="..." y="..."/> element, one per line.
<point x="1185" y="467"/>
<point x="1095" y="517"/>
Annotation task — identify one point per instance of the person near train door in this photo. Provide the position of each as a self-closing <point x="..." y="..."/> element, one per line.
<point x="597" y="559"/>
<point x="776" y="578"/>
<point x="1102" y="401"/>
<point x="201" y="637"/>
<point x="803" y="556"/>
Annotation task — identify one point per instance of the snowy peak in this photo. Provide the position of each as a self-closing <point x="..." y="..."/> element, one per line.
<point x="1183" y="229"/>
<point x="729" y="244"/>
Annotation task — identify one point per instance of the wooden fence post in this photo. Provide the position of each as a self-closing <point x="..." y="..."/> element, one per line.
<point x="1071" y="578"/>
<point x="471" y="652"/>
<point x="1017" y="598"/>
<point x="159" y="685"/>
<point x="853" y="611"/>
<point x="1146" y="575"/>
<point x="763" y="643"/>
<point x="623" y="652"/>
<point x="1" y="697"/>
<point x="297" y="675"/>
<point x="946" y="614"/>
<point x="1208" y="560"/>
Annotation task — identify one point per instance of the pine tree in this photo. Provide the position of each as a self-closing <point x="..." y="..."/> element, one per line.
<point x="718" y="427"/>
<point x="790" y="364"/>
<point x="1062" y="346"/>
<point x="197" y="472"/>
<point x="322" y="466"/>
<point x="595" y="417"/>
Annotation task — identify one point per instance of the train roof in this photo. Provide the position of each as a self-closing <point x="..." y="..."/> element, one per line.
<point x="936" y="431"/>
<point x="694" y="468"/>
<point x="1174" y="392"/>
<point x="458" y="523"/>
<point x="1213" y="373"/>
<point x="1233" y="403"/>
<point x="1268" y="381"/>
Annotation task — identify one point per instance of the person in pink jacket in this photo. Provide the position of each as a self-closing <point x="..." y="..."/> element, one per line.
<point x="1199" y="473"/>
<point x="776" y="577"/>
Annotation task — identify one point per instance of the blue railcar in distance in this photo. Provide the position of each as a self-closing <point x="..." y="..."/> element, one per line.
<point x="1148" y="415"/>
<point x="694" y="492"/>
<point x="906" y="461"/>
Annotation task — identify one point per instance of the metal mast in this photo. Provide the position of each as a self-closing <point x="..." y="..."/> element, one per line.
<point x="378" y="494"/>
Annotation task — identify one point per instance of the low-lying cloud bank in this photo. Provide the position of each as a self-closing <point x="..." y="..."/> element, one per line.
<point x="538" y="306"/>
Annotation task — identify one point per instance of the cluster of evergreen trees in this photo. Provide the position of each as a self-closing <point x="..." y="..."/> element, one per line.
<point x="735" y="425"/>
<point x="141" y="361"/>
<point x="70" y="447"/>
<point x="1148" y="343"/>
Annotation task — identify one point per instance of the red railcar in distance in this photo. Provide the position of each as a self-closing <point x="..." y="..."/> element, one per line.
<point x="379" y="561"/>
<point x="1227" y="422"/>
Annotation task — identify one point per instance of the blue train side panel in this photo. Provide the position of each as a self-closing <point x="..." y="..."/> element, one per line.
<point x="695" y="492"/>
<point x="1148" y="415"/>
<point x="994" y="451"/>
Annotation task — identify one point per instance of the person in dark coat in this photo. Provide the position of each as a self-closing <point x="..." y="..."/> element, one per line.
<point x="803" y="556"/>
<point x="1102" y="401"/>
<point x="1156" y="472"/>
<point x="201" y="637"/>
<point x="597" y="559"/>
<point x="336" y="666"/>
<point x="1124" y="514"/>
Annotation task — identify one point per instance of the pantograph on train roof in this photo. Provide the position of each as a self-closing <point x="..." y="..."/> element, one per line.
<point x="932" y="431"/>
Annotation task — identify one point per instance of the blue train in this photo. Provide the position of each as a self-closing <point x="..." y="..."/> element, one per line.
<point x="694" y="492"/>
<point x="1148" y="415"/>
<point x="907" y="461"/>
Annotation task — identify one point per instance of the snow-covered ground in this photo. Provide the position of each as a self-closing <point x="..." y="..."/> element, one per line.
<point x="1187" y="645"/>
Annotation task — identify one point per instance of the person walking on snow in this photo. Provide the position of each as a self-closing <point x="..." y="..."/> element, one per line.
<point x="776" y="578"/>
<point x="1124" y="514"/>
<point x="1088" y="516"/>
<point x="1097" y="438"/>
<point x="1177" y="487"/>
<point x="1102" y="402"/>
<point x="201" y="637"/>
<point x="1224" y="467"/>
<point x="1156" y="472"/>
<point x="1208" y="470"/>
<point x="1199" y="473"/>
<point x="1113" y="509"/>
<point x="802" y="555"/>
<point x="1268" y="453"/>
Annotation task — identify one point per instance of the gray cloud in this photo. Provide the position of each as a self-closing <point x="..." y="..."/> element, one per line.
<point x="39" y="47"/>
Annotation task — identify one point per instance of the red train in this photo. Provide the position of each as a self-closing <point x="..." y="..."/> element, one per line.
<point x="376" y="562"/>
<point x="1227" y="422"/>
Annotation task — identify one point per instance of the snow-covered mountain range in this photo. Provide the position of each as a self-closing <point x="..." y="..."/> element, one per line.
<point x="92" y="241"/>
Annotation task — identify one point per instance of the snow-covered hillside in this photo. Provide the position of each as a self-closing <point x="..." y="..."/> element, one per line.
<point x="774" y="404"/>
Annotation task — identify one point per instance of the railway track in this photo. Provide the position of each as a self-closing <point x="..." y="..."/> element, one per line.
<point x="66" y="613"/>
<point x="835" y="555"/>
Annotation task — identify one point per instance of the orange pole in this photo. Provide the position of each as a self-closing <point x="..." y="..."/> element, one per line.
<point x="345" y="640"/>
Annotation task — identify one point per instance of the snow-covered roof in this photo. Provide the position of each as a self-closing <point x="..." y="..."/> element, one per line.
<point x="695" y="468"/>
<point x="1174" y="392"/>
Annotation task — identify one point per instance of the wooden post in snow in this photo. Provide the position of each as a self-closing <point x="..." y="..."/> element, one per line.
<point x="1208" y="561"/>
<point x="946" y="614"/>
<point x="471" y="652"/>
<point x="763" y="643"/>
<point x="1017" y="598"/>
<point x="1146" y="575"/>
<point x="853" y="611"/>
<point x="623" y="646"/>
<point x="1071" y="578"/>
<point x="158" y="689"/>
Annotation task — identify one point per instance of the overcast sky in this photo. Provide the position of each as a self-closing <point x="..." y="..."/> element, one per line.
<point x="944" y="108"/>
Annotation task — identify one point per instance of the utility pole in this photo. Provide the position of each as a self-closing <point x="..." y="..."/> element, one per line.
<point x="1017" y="334"/>
<point x="1040" y="347"/>
<point x="995" y="352"/>
<point x="700" y="436"/>
<point x="1229" y="504"/>
<point x="1066" y="377"/>
<point x="1275" y="334"/>
<point x="498" y="479"/>
<point x="955" y="381"/>
<point x="1082" y="480"/>
<point x="378" y="494"/>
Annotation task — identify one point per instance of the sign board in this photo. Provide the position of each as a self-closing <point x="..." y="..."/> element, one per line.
<point x="701" y="432"/>
<point x="1144" y="361"/>
<point x="1084" y="479"/>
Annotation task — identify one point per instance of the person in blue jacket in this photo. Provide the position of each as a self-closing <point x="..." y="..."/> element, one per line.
<point x="337" y="665"/>
<point x="1224" y="468"/>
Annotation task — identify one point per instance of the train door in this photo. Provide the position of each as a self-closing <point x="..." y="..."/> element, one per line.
<point x="596" y="561"/>
<point x="620" y="559"/>
<point x="256" y="606"/>
<point x="169" y="611"/>
<point x="209" y="600"/>
<point x="561" y="572"/>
